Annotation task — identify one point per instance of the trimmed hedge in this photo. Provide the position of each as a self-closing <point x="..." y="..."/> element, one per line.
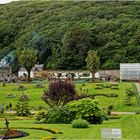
<point x="80" y="123"/>
<point x="87" y="109"/>
<point x="51" y="130"/>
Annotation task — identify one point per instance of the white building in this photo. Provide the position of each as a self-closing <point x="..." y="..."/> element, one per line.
<point x="76" y="74"/>
<point x="130" y="71"/>
<point x="22" y="72"/>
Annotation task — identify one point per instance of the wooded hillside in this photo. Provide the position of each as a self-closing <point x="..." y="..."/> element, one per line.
<point x="63" y="32"/>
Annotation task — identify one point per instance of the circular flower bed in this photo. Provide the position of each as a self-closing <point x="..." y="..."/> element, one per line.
<point x="10" y="95"/>
<point x="14" y="134"/>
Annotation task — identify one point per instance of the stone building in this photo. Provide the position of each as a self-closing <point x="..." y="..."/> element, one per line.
<point x="5" y="71"/>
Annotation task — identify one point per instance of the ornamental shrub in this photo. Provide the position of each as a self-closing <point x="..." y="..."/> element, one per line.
<point x="87" y="109"/>
<point x="39" y="115"/>
<point x="80" y="123"/>
<point x="22" y="108"/>
<point x="59" y="93"/>
<point x="24" y="97"/>
<point x="39" y="85"/>
<point x="21" y="88"/>
<point x="59" y="115"/>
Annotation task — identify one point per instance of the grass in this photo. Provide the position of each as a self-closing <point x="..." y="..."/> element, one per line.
<point x="36" y="102"/>
<point x="117" y="102"/>
<point x="129" y="125"/>
<point x="33" y="93"/>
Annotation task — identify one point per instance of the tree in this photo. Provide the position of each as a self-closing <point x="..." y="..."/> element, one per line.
<point x="88" y="109"/>
<point x="59" y="93"/>
<point x="93" y="62"/>
<point x="129" y="94"/>
<point x="27" y="59"/>
<point x="63" y="39"/>
<point x="22" y="108"/>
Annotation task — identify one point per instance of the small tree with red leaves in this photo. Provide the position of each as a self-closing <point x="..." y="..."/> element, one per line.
<point x="59" y="93"/>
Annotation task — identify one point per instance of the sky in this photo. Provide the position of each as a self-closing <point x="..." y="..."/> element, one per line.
<point x="6" y="1"/>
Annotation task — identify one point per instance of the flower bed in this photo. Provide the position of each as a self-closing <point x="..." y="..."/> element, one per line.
<point x="14" y="134"/>
<point x="51" y="130"/>
<point x="10" y="95"/>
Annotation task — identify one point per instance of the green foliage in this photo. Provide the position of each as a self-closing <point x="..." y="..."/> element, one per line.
<point x="129" y="94"/>
<point x="93" y="62"/>
<point x="21" y="88"/>
<point x="10" y="95"/>
<point x="87" y="109"/>
<point x="39" y="115"/>
<point x="39" y="85"/>
<point x="22" y="108"/>
<point x="109" y="109"/>
<point x="27" y="59"/>
<point x="80" y="123"/>
<point x="24" y="97"/>
<point x="58" y="115"/>
<point x="63" y="39"/>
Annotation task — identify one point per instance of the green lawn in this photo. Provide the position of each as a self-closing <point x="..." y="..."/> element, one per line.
<point x="36" y="93"/>
<point x="33" y="93"/>
<point x="128" y="123"/>
<point x="117" y="102"/>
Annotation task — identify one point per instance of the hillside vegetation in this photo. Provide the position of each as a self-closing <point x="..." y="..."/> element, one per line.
<point x="63" y="32"/>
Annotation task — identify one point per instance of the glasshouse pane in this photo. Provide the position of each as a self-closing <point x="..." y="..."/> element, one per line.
<point x="130" y="71"/>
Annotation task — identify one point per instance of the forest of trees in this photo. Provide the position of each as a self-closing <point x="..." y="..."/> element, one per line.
<point x="63" y="32"/>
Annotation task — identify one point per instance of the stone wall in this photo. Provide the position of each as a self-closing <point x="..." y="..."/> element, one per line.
<point x="5" y="72"/>
<point x="109" y="73"/>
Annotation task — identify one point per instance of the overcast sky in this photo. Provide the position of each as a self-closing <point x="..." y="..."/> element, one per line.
<point x="6" y="1"/>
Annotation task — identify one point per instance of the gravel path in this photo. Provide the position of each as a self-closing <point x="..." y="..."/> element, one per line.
<point x="125" y="113"/>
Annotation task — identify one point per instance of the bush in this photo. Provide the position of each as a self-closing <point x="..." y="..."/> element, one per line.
<point x="110" y="108"/>
<point x="99" y="84"/>
<point x="87" y="109"/>
<point x="107" y="86"/>
<point x="115" y="84"/>
<point x="43" y="120"/>
<point x="137" y="112"/>
<point x="98" y="87"/>
<point x="24" y="97"/>
<point x="129" y="94"/>
<point x="21" y="88"/>
<point x="41" y="107"/>
<point x="80" y="123"/>
<point x="39" y="85"/>
<point x="59" y="93"/>
<point x="115" y="88"/>
<point x="59" y="115"/>
<point x="22" y="108"/>
<point x="39" y="115"/>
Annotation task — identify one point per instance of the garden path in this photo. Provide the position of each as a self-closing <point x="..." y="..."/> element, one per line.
<point x="13" y="112"/>
<point x="124" y="113"/>
<point x="113" y="113"/>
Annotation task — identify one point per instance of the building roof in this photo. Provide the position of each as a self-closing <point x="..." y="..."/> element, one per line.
<point x="37" y="67"/>
<point x="4" y="66"/>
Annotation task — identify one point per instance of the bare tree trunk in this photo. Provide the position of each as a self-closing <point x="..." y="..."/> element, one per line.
<point x="93" y="79"/>
<point x="28" y="75"/>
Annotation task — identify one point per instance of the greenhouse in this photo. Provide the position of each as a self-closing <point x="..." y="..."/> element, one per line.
<point x="130" y="71"/>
